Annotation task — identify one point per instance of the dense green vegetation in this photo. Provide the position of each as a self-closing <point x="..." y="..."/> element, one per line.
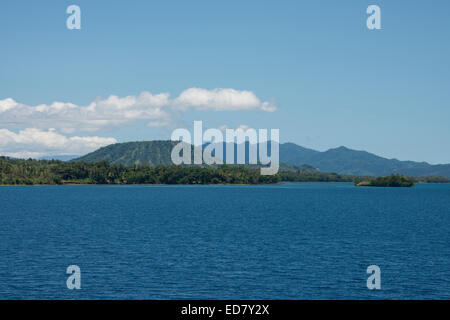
<point x="394" y="180"/>
<point x="52" y="172"/>
<point x="152" y="153"/>
<point x="340" y="160"/>
<point x="31" y="172"/>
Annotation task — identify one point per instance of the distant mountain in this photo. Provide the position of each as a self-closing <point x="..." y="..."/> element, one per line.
<point x="347" y="161"/>
<point x="295" y="154"/>
<point x="61" y="158"/>
<point x="129" y="153"/>
<point x="156" y="153"/>
<point x="339" y="160"/>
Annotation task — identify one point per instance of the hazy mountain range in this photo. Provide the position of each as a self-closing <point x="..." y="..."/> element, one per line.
<point x="347" y="161"/>
<point x="339" y="160"/>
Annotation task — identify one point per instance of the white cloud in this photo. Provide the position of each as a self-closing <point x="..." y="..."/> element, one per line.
<point x="7" y="104"/>
<point x="35" y="143"/>
<point x="69" y="117"/>
<point x="45" y="126"/>
<point x="221" y="100"/>
<point x="158" y="109"/>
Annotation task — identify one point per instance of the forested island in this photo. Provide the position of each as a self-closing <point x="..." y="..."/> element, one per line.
<point x="394" y="180"/>
<point x="55" y="172"/>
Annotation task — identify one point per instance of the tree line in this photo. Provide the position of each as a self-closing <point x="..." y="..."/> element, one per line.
<point x="55" y="172"/>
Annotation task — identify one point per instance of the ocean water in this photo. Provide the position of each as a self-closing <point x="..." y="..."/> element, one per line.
<point x="289" y="241"/>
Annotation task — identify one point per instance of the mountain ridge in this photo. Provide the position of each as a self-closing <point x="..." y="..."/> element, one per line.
<point x="341" y="160"/>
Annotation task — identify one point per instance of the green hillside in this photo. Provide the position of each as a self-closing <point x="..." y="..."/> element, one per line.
<point x="292" y="157"/>
<point x="152" y="153"/>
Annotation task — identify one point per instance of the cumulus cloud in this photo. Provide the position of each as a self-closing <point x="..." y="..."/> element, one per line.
<point x="7" y="104"/>
<point x="35" y="143"/>
<point x="66" y="118"/>
<point x="157" y="109"/>
<point x="69" y="117"/>
<point x="221" y="100"/>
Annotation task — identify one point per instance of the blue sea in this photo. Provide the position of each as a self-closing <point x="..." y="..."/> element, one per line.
<point x="287" y="241"/>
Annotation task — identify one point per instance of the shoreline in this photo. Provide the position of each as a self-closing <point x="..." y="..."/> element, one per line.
<point x="213" y="184"/>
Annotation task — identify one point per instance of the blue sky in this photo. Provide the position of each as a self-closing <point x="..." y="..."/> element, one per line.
<point x="331" y="80"/>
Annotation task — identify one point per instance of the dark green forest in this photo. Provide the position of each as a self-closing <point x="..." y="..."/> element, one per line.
<point x="55" y="172"/>
<point x="52" y="172"/>
<point x="394" y="180"/>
